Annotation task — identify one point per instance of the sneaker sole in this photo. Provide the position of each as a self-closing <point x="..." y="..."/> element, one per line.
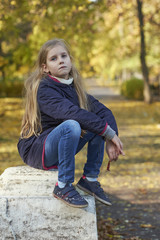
<point x="93" y="194"/>
<point x="70" y="204"/>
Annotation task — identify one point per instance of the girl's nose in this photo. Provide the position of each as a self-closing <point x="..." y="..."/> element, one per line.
<point x="61" y="60"/>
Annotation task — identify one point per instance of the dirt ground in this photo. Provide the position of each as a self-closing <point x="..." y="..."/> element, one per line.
<point x="125" y="219"/>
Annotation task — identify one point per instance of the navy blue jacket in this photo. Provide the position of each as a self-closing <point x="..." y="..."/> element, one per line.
<point x="59" y="102"/>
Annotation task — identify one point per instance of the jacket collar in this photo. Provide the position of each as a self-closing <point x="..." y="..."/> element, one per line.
<point x="61" y="80"/>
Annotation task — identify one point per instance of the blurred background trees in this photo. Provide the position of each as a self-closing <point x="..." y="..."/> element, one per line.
<point x="104" y="36"/>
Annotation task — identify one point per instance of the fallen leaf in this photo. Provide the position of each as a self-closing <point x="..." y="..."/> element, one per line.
<point x="142" y="191"/>
<point x="147" y="226"/>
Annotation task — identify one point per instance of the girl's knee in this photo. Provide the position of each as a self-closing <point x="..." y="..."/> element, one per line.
<point x="73" y="126"/>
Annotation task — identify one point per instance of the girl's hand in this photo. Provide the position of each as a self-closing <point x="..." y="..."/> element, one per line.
<point x="111" y="150"/>
<point x="118" y="144"/>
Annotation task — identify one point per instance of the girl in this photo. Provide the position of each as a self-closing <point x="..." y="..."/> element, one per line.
<point x="59" y="119"/>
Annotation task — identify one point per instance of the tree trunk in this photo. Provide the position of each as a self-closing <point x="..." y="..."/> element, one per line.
<point x="145" y="72"/>
<point x="3" y="65"/>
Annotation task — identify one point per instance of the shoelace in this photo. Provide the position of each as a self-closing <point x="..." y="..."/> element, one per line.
<point x="98" y="187"/>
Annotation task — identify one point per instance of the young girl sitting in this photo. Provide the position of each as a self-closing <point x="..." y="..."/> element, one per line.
<point x="59" y="119"/>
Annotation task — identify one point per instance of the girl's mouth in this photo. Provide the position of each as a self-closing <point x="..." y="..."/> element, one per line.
<point x="62" y="67"/>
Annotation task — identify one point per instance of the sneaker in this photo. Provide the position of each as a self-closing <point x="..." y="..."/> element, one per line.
<point x="70" y="196"/>
<point x="94" y="189"/>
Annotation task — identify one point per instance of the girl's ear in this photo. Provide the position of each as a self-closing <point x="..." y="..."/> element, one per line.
<point x="44" y="67"/>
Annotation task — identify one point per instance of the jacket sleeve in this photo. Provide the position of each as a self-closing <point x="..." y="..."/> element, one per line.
<point x="52" y="103"/>
<point x="101" y="110"/>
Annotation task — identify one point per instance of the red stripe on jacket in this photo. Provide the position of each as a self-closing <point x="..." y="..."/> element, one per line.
<point x="104" y="129"/>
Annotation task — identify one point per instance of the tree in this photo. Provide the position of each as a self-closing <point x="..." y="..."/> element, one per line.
<point x="147" y="92"/>
<point x="26" y="25"/>
<point x="103" y="35"/>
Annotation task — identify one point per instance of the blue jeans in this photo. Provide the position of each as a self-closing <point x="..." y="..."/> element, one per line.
<point x="64" y="142"/>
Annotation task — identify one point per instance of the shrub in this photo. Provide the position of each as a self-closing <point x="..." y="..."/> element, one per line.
<point x="11" y="89"/>
<point x="133" y="89"/>
<point x="155" y="88"/>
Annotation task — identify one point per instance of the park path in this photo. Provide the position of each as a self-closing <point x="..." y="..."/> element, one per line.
<point x="98" y="91"/>
<point x="105" y="93"/>
<point x="102" y="91"/>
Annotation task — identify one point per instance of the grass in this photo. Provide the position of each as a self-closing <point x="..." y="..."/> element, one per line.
<point x="10" y="122"/>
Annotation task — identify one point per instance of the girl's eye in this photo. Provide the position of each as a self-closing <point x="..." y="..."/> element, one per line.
<point x="64" y="55"/>
<point x="53" y="59"/>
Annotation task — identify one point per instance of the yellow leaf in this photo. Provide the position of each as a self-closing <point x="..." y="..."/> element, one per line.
<point x="147" y="226"/>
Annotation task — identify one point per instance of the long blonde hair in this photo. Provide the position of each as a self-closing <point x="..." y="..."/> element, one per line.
<point x="31" y="122"/>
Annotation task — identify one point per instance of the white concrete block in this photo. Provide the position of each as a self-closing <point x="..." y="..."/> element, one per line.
<point x="29" y="211"/>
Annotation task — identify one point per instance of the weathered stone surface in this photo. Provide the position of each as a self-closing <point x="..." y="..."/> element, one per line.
<point x="27" y="181"/>
<point x="28" y="210"/>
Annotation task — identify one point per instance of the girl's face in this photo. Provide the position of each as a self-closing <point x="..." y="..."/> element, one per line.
<point x="58" y="62"/>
